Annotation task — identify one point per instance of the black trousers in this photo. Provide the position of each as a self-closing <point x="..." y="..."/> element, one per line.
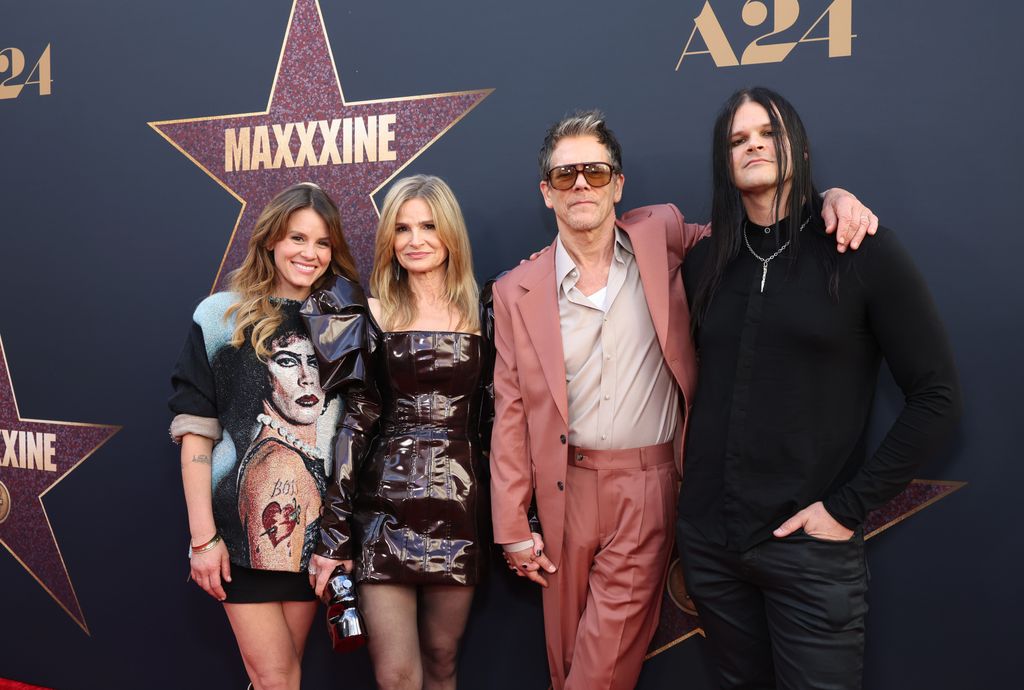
<point x="787" y="613"/>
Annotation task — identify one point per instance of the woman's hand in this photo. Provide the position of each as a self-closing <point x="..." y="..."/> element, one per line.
<point x="320" y="570"/>
<point x="529" y="562"/>
<point x="211" y="567"/>
<point x="536" y="254"/>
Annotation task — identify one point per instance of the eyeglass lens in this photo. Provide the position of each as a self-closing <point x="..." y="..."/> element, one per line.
<point x="564" y="176"/>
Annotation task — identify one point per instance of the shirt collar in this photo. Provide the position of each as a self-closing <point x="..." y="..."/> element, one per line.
<point x="564" y="265"/>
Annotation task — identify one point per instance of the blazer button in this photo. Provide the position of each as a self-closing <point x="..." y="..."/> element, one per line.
<point x="562" y="439"/>
<point x="561" y="486"/>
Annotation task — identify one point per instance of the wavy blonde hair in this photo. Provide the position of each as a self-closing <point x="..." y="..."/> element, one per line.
<point x="397" y="302"/>
<point x="256" y="317"/>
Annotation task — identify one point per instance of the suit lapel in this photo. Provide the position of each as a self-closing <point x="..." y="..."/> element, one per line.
<point x="652" y="262"/>
<point x="539" y="310"/>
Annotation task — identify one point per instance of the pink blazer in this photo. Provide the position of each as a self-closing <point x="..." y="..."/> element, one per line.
<point x="529" y="443"/>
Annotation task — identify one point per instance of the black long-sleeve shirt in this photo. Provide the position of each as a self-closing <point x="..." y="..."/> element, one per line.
<point x="787" y="380"/>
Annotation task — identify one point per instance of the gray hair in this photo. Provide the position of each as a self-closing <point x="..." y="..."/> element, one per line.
<point x="582" y="123"/>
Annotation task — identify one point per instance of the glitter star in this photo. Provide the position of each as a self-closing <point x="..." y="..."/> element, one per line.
<point x="309" y="132"/>
<point x="35" y="455"/>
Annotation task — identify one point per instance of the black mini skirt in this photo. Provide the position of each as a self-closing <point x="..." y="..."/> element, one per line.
<point x="250" y="586"/>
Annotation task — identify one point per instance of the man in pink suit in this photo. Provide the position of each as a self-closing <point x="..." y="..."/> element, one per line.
<point x="594" y="372"/>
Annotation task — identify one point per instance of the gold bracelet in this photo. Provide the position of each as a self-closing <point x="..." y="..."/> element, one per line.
<point x="203" y="548"/>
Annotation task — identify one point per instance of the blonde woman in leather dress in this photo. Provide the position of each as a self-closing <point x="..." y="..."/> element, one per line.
<point x="407" y="503"/>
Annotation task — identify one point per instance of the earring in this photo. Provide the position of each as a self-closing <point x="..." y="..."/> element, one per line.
<point x="396" y="268"/>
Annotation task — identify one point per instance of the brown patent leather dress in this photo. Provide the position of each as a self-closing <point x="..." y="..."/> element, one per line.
<point x="418" y="503"/>
<point x="408" y="498"/>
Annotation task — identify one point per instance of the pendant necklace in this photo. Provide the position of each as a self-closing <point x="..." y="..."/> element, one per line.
<point x="764" y="262"/>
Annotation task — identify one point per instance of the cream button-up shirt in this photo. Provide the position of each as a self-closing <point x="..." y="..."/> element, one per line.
<point x="621" y="393"/>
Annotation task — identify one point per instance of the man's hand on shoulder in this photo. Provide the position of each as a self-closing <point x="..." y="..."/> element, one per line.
<point x="537" y="254"/>
<point x="846" y="216"/>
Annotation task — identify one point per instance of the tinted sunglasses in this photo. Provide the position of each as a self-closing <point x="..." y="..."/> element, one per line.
<point x="564" y="176"/>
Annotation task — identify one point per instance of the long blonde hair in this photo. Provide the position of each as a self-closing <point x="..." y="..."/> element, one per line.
<point x="256" y="317"/>
<point x="397" y="302"/>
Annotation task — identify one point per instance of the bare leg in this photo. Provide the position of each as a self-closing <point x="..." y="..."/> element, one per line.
<point x="444" y="610"/>
<point x="267" y="645"/>
<point x="298" y="616"/>
<point x="390" y="615"/>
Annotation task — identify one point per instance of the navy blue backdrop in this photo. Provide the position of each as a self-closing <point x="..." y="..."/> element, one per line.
<point x="111" y="236"/>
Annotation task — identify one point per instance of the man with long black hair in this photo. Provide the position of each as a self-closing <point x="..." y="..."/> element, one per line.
<point x="778" y="480"/>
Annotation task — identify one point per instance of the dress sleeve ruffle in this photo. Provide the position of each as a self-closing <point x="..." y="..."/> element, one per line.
<point x="345" y="340"/>
<point x="487" y="373"/>
<point x="343" y="334"/>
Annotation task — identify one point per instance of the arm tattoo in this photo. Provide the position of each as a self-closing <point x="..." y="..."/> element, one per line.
<point x="202" y="459"/>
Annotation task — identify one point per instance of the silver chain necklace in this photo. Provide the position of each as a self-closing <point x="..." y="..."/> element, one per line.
<point x="764" y="262"/>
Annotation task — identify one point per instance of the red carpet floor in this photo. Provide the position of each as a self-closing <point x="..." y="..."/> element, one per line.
<point x="15" y="685"/>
